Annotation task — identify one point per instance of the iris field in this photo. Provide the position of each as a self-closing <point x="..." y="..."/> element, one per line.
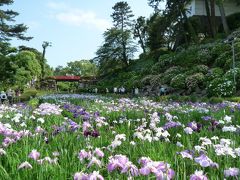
<point x="87" y="137"/>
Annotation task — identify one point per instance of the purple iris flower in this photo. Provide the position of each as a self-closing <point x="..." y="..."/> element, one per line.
<point x="206" y="118"/>
<point x="171" y="124"/>
<point x="95" y="133"/>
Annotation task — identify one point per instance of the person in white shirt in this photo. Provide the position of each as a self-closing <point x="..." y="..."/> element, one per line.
<point x="136" y="91"/>
<point x="107" y="91"/>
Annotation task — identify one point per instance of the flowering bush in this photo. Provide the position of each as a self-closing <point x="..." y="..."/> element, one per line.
<point x="171" y="73"/>
<point x="230" y="75"/>
<point x="201" y="69"/>
<point x="204" y="55"/>
<point x="156" y="80"/>
<point x="194" y="81"/>
<point x="221" y="87"/>
<point x="178" y="81"/>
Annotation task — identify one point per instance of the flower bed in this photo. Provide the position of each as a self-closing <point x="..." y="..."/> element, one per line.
<point x="102" y="138"/>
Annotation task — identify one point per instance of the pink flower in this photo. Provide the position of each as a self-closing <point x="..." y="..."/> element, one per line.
<point x="232" y="172"/>
<point x="118" y="161"/>
<point x="80" y="176"/>
<point x="25" y="165"/>
<point x="39" y="130"/>
<point x="198" y="175"/>
<point x="144" y="160"/>
<point x="86" y="125"/>
<point x="146" y="170"/>
<point x="95" y="176"/>
<point x="94" y="161"/>
<point x="84" y="155"/>
<point x="186" y="154"/>
<point x="130" y="167"/>
<point x="99" y="153"/>
<point x="205" y="161"/>
<point x="34" y="154"/>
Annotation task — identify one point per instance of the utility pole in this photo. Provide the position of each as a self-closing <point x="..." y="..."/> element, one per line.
<point x="234" y="73"/>
<point x="231" y="41"/>
<point x="45" y="44"/>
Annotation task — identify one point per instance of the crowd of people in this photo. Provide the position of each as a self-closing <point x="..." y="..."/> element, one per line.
<point x="116" y="90"/>
<point x="134" y="91"/>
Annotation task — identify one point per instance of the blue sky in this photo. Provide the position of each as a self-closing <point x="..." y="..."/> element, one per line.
<point x="74" y="27"/>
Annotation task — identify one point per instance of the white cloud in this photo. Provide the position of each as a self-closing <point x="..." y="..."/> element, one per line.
<point x="77" y="17"/>
<point x="57" y="5"/>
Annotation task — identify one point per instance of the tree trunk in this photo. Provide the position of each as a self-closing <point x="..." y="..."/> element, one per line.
<point x="141" y="41"/>
<point x="124" y="54"/>
<point x="223" y="17"/>
<point x="209" y="18"/>
<point x="213" y="17"/>
<point x="190" y="27"/>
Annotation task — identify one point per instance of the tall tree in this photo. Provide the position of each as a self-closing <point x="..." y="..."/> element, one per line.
<point x="7" y="29"/>
<point x="140" y="32"/>
<point x="82" y="68"/>
<point x="211" y="32"/>
<point x="213" y="17"/>
<point x="223" y="16"/>
<point x="155" y="5"/>
<point x="109" y="55"/>
<point x="158" y="32"/>
<point x="176" y="12"/>
<point x="122" y="21"/>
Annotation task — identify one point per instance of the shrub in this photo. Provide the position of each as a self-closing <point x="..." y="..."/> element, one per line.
<point x="222" y="58"/>
<point x="201" y="69"/>
<point x="215" y="100"/>
<point x="220" y="48"/>
<point x="234" y="99"/>
<point x="33" y="102"/>
<point x="186" y="57"/>
<point x="230" y="75"/>
<point x="146" y="80"/>
<point x="234" y="21"/>
<point x="178" y="81"/>
<point x="214" y="73"/>
<point x="63" y="86"/>
<point x="156" y="80"/>
<point x="221" y="87"/>
<point x="203" y="55"/>
<point x="164" y="62"/>
<point x="194" y="81"/>
<point x="27" y="95"/>
<point x="169" y="74"/>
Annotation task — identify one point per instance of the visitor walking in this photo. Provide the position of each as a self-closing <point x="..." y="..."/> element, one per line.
<point x="115" y="90"/>
<point x="107" y="91"/>
<point x="10" y="96"/>
<point x="136" y="91"/>
<point x="163" y="91"/>
<point x="3" y="97"/>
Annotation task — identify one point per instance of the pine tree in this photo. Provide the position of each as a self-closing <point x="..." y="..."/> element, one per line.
<point x="8" y="29"/>
<point x="122" y="21"/>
